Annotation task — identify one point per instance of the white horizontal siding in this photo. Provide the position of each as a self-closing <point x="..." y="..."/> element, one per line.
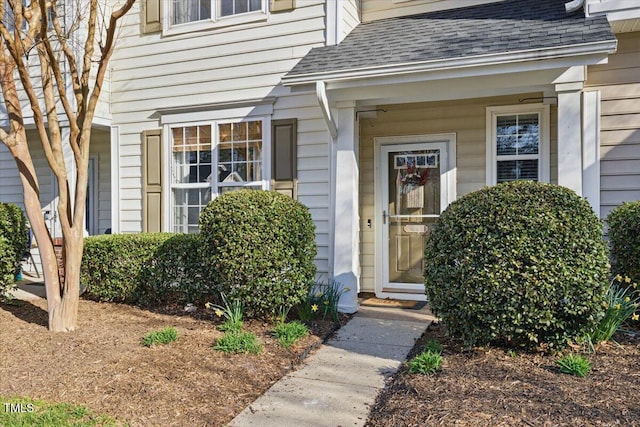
<point x="379" y="9"/>
<point x="223" y="65"/>
<point x="619" y="84"/>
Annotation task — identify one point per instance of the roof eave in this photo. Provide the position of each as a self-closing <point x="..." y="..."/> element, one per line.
<point x="585" y="49"/>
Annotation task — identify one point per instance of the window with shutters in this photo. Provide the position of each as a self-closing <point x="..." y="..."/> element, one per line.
<point x="192" y="15"/>
<point x="517" y="143"/>
<point x="212" y="158"/>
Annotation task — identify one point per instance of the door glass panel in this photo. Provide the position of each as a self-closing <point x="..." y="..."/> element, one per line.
<point x="413" y="207"/>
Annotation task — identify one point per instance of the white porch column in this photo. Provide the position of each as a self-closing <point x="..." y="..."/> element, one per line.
<point x="346" y="215"/>
<point x="115" y="179"/>
<point x="570" y="132"/>
<point x="591" y="149"/>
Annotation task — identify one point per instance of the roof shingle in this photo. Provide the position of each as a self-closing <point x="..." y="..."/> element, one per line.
<point x="494" y="28"/>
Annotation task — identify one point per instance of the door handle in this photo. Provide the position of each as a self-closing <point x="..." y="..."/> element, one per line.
<point x="384" y="217"/>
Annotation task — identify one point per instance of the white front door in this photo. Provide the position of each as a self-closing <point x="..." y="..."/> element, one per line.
<point x="416" y="181"/>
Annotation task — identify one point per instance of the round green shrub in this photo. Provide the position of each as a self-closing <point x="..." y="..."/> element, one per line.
<point x="260" y="247"/>
<point x="7" y="268"/>
<point x="517" y="264"/>
<point x="175" y="274"/>
<point x="13" y="227"/>
<point x="624" y="238"/>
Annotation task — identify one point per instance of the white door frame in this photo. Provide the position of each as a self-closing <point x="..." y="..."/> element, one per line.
<point x="446" y="142"/>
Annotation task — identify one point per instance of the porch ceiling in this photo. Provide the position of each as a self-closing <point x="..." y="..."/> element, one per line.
<point x="487" y="34"/>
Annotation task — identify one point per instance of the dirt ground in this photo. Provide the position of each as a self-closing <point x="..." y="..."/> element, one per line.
<point x="489" y="387"/>
<point x="103" y="366"/>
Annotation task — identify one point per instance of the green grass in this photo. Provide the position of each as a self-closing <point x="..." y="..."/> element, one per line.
<point x="574" y="364"/>
<point x="26" y="412"/>
<point x="289" y="333"/>
<point x="238" y="342"/>
<point x="427" y="362"/>
<point x="433" y="346"/>
<point x="163" y="336"/>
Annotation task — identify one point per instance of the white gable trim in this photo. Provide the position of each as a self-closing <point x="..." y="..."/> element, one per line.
<point x="572" y="51"/>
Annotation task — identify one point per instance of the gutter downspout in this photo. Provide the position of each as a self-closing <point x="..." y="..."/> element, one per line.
<point x="321" y="93"/>
<point x="573" y="5"/>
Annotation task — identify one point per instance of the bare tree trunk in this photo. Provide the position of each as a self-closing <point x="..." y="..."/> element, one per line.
<point x="31" y="189"/>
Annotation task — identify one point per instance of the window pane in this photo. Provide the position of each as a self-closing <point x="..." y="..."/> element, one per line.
<point x="507" y="125"/>
<point x="506" y="145"/>
<point x="192" y="161"/>
<point x="184" y="11"/>
<point x="255" y="5"/>
<point x="241" y="159"/>
<point x="511" y="170"/>
<point x="234" y="7"/>
<point x="528" y="143"/>
<point x="187" y="205"/>
<point x="226" y="7"/>
<point x="241" y="6"/>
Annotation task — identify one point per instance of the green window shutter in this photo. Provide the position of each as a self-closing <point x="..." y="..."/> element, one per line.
<point x="152" y="181"/>
<point x="284" y="174"/>
<point x="282" y="5"/>
<point x="151" y="16"/>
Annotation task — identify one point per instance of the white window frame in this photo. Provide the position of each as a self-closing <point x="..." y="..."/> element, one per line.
<point x="543" y="156"/>
<point x="216" y="21"/>
<point x="264" y="183"/>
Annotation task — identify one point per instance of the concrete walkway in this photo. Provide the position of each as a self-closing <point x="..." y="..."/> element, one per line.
<point x="339" y="383"/>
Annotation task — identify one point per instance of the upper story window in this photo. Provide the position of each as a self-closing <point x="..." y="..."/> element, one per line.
<point x="235" y="7"/>
<point x="517" y="143"/>
<point x="200" y="14"/>
<point x="184" y="11"/>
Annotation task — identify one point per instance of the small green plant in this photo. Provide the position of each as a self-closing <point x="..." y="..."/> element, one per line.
<point x="238" y="342"/>
<point x="289" y="333"/>
<point x="433" y="346"/>
<point x="574" y="364"/>
<point x="163" y="336"/>
<point x="512" y="353"/>
<point x="233" y="312"/>
<point x="620" y="305"/>
<point x="427" y="362"/>
<point x="322" y="301"/>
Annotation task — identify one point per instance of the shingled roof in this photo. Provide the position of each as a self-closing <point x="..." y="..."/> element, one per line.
<point x="509" y="26"/>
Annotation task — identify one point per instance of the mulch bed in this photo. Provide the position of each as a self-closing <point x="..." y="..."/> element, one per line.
<point x="103" y="366"/>
<point x="490" y="387"/>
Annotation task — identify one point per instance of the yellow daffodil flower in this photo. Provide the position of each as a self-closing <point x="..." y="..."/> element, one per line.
<point x="314" y="307"/>
<point x="635" y="317"/>
<point x="627" y="279"/>
<point x="617" y="306"/>
<point x="619" y="278"/>
<point x="218" y="312"/>
<point x="627" y="299"/>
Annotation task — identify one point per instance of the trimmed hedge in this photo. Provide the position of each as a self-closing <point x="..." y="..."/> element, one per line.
<point x="149" y="269"/>
<point x="113" y="265"/>
<point x="175" y="274"/>
<point x="624" y="238"/>
<point x="517" y="264"/>
<point x="7" y="273"/>
<point x="13" y="226"/>
<point x="260" y="248"/>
